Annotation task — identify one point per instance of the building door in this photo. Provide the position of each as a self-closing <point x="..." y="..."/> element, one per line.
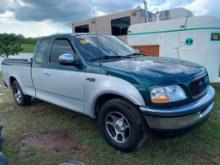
<point x="149" y="50"/>
<point x="170" y="45"/>
<point x="191" y="50"/>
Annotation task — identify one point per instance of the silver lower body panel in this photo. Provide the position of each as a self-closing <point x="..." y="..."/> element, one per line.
<point x="169" y="123"/>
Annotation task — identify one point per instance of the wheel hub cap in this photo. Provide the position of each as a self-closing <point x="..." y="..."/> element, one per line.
<point x="117" y="127"/>
<point x="120" y="125"/>
<point x="18" y="95"/>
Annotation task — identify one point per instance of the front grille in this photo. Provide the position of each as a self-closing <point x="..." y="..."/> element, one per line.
<point x="198" y="86"/>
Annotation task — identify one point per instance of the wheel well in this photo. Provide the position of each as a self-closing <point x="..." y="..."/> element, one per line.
<point x="103" y="99"/>
<point x="11" y="80"/>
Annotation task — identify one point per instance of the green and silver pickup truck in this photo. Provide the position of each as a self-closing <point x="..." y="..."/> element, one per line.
<point x="102" y="77"/>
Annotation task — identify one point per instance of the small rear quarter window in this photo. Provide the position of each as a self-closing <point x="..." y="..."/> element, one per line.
<point x="41" y="51"/>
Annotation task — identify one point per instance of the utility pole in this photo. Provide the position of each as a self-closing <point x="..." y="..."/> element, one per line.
<point x="94" y="15"/>
<point x="145" y="11"/>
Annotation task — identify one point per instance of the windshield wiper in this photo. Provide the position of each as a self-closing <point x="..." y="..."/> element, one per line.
<point x="106" y="58"/>
<point x="134" y="54"/>
<point x="114" y="57"/>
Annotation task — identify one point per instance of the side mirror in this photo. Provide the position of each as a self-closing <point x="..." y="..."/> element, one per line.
<point x="66" y="59"/>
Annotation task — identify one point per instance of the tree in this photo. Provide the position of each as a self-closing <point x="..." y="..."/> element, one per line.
<point x="10" y="44"/>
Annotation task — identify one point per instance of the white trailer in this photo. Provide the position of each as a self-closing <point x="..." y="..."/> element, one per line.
<point x="195" y="39"/>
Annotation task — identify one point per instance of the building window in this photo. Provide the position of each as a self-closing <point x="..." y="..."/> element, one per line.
<point x="82" y="29"/>
<point x="120" y="26"/>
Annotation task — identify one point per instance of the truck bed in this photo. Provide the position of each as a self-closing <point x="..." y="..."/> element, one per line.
<point x="21" y="69"/>
<point x="18" y="62"/>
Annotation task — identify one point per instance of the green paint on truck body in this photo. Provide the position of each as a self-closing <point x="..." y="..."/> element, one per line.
<point x="145" y="72"/>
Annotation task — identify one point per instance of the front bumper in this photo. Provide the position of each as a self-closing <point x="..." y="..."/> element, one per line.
<point x="181" y="117"/>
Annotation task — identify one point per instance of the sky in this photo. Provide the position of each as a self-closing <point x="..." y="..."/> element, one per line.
<point x="35" y="18"/>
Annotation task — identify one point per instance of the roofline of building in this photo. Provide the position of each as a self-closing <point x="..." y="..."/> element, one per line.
<point x="109" y="14"/>
<point x="120" y="12"/>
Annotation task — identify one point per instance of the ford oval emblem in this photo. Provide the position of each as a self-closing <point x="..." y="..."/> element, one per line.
<point x="201" y="83"/>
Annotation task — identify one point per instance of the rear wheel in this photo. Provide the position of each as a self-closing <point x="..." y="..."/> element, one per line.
<point x="121" y="124"/>
<point x="19" y="97"/>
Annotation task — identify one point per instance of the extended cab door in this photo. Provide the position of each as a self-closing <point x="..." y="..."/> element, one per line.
<point x="59" y="84"/>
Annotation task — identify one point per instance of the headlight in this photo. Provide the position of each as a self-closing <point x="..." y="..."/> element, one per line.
<point x="167" y="94"/>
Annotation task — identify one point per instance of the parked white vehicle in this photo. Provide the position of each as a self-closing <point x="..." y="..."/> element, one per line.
<point x="195" y="39"/>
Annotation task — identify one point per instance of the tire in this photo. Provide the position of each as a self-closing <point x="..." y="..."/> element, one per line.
<point x="20" y="98"/>
<point x="122" y="125"/>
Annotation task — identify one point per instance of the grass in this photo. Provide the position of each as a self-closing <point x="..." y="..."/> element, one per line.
<point x="28" y="48"/>
<point x="201" y="146"/>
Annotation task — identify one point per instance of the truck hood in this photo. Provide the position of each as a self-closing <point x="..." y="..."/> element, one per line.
<point x="158" y="70"/>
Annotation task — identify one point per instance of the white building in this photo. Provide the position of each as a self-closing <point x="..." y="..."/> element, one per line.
<point x="117" y="23"/>
<point x="171" y="33"/>
<point x="195" y="39"/>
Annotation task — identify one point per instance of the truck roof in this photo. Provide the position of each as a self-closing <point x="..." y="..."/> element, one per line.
<point x="67" y="34"/>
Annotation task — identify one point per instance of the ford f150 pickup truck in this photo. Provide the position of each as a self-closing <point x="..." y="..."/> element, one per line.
<point x="104" y="78"/>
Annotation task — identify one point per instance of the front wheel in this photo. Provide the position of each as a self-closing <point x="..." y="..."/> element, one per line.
<point x="121" y="124"/>
<point x="19" y="97"/>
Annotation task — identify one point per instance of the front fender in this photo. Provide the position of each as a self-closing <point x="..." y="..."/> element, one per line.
<point x="106" y="84"/>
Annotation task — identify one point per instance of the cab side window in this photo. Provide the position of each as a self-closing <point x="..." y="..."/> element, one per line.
<point x="60" y="47"/>
<point x="41" y="51"/>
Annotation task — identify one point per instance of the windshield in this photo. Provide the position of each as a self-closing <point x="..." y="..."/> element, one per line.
<point x="95" y="47"/>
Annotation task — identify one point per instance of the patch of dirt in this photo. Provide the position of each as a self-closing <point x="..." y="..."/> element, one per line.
<point x="8" y="109"/>
<point x="2" y="92"/>
<point x="2" y="87"/>
<point x="53" y="143"/>
<point x="1" y="97"/>
<point x="207" y="159"/>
